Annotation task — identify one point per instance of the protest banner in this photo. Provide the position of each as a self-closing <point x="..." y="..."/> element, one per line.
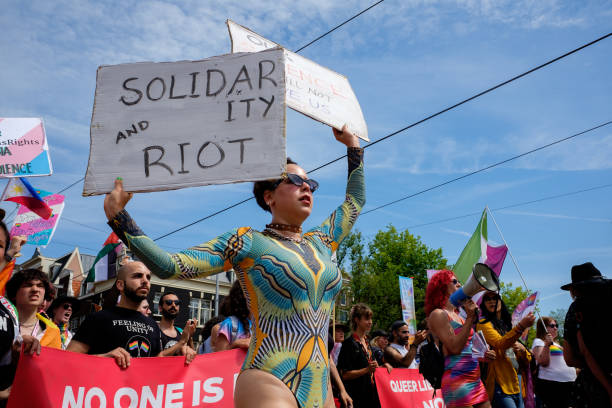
<point x="58" y="378"/>
<point x="164" y="126"/>
<point x="405" y="387"/>
<point x="407" y="296"/>
<point x="23" y="148"/>
<point x="38" y="230"/>
<point x="312" y="89"/>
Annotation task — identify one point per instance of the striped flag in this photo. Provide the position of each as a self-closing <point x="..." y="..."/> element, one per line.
<point x="20" y="191"/>
<point x="479" y="250"/>
<point x="103" y="267"/>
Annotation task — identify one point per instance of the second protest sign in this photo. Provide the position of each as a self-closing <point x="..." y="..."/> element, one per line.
<point x="163" y="126"/>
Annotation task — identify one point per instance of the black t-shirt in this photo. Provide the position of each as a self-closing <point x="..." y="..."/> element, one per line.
<point x="362" y="389"/>
<point x="168" y="341"/>
<point x="7" y="337"/>
<point x="119" y="327"/>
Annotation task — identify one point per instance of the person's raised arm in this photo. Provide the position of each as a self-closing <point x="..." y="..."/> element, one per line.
<point x="442" y="329"/>
<point x="338" y="225"/>
<point x="501" y="343"/>
<point x="215" y="256"/>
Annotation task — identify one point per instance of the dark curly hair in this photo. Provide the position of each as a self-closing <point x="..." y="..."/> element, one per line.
<point x="208" y="326"/>
<point x="436" y="293"/>
<point x="238" y="304"/>
<point x="504" y="324"/>
<point x="27" y="275"/>
<point x="260" y="187"/>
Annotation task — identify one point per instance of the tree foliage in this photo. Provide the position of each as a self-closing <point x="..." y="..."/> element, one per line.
<point x="375" y="274"/>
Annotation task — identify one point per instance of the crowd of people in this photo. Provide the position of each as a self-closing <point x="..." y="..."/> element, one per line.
<point x="284" y="294"/>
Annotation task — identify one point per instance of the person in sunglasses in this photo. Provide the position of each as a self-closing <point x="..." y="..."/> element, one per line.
<point x="170" y="307"/>
<point x="555" y="378"/>
<point x="288" y="278"/>
<point x="61" y="311"/>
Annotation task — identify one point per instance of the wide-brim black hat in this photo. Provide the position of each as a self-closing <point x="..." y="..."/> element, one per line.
<point x="60" y="300"/>
<point x="339" y="326"/>
<point x="584" y="274"/>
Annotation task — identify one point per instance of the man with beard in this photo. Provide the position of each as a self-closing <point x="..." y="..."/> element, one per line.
<point x="122" y="332"/>
<point x="170" y="306"/>
<point x="398" y="353"/>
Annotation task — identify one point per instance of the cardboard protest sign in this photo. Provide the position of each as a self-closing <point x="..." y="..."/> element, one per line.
<point x="312" y="89"/>
<point x="23" y="148"/>
<point x="164" y="126"/>
<point x="38" y="230"/>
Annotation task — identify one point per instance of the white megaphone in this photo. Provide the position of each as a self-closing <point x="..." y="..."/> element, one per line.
<point x="482" y="278"/>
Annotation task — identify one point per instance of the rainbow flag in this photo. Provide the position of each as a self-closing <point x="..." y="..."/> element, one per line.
<point x="144" y="347"/>
<point x="133" y="345"/>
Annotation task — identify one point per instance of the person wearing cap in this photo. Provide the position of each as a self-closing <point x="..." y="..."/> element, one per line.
<point x="399" y="353"/>
<point x="339" y="330"/>
<point x="585" y="345"/>
<point x="61" y="310"/>
<point x="380" y="341"/>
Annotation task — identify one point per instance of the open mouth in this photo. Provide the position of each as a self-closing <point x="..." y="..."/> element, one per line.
<point x="306" y="199"/>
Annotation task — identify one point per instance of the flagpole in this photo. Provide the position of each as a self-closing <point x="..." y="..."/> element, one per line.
<point x="515" y="263"/>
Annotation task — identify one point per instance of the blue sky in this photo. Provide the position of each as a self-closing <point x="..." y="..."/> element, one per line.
<point x="405" y="60"/>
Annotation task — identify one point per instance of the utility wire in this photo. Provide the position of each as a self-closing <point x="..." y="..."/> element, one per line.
<point x="486" y="168"/>
<point x="511" y="206"/>
<point x="407" y="127"/>
<point x="296" y="51"/>
<point x="339" y="25"/>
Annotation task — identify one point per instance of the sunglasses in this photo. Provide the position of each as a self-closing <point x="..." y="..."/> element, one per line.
<point x="298" y="181"/>
<point x="454" y="281"/>
<point x="553" y="326"/>
<point x="169" y="302"/>
<point x="67" y="306"/>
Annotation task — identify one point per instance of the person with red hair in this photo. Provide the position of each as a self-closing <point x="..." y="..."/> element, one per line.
<point x="461" y="384"/>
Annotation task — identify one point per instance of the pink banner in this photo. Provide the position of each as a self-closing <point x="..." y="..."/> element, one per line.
<point x="64" y="379"/>
<point x="405" y="387"/>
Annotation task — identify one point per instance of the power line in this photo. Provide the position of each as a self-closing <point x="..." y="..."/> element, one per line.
<point x="512" y="206"/>
<point x="409" y="126"/>
<point x="296" y="51"/>
<point x="486" y="168"/>
<point x="339" y="25"/>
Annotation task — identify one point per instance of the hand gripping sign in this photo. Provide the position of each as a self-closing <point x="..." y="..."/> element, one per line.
<point x="170" y="125"/>
<point x="312" y="89"/>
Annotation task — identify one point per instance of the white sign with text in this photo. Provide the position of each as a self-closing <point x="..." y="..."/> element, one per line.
<point x="312" y="89"/>
<point x="170" y="125"/>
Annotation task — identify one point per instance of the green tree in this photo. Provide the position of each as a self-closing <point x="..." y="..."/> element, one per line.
<point x="375" y="274"/>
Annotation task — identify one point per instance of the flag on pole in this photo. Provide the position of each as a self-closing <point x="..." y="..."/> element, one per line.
<point x="20" y="191"/>
<point x="523" y="309"/>
<point x="103" y="267"/>
<point x="479" y="250"/>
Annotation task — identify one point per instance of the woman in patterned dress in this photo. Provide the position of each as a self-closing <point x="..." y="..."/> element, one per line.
<point x="461" y="384"/>
<point x="288" y="278"/>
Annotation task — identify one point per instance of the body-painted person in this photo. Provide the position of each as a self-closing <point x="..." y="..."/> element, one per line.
<point x="288" y="278"/>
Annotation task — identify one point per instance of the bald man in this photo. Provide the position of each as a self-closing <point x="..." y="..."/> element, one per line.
<point x="122" y="332"/>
